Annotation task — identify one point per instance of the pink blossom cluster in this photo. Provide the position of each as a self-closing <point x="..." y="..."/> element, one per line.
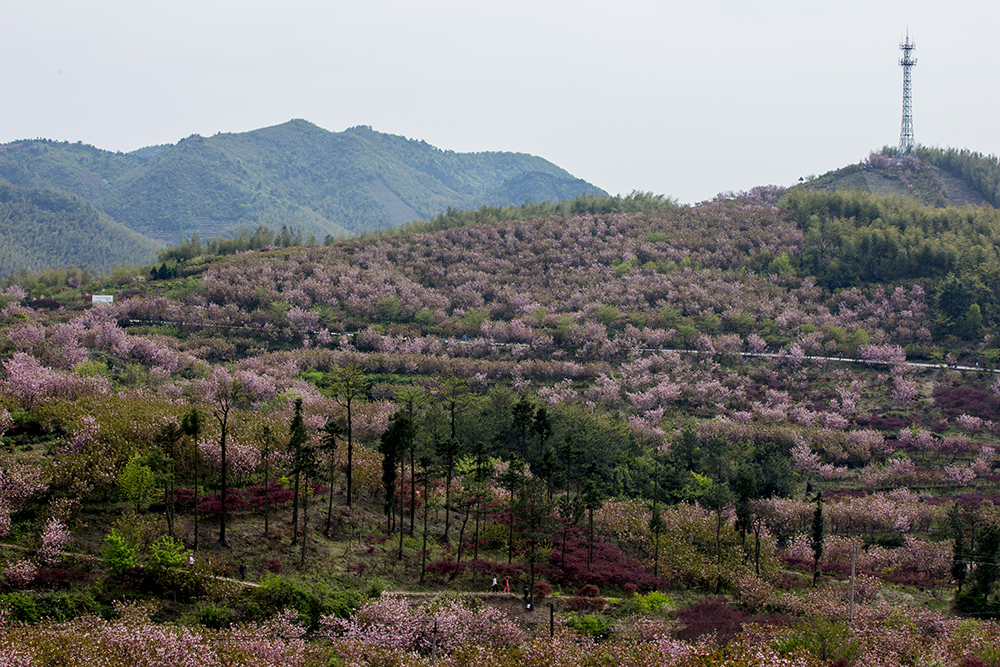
<point x="242" y="459"/>
<point x="904" y="391"/>
<point x="898" y="511"/>
<point x="930" y="560"/>
<point x="82" y="436"/>
<point x="371" y="419"/>
<point x="969" y="423"/>
<point x="919" y="439"/>
<point x="828" y="472"/>
<point x="55" y="536"/>
<point x="605" y="390"/>
<point x="133" y="640"/>
<point x="21" y="573"/>
<point x="793" y="356"/>
<point x="562" y="392"/>
<point x="898" y="472"/>
<point x="19" y="482"/>
<point x="28" y="382"/>
<point x="661" y="395"/>
<point x="890" y="355"/>
<point x="880" y="161"/>
<point x="98" y="331"/>
<point x="804" y="457"/>
<point x="646" y="427"/>
<point x="389" y="622"/>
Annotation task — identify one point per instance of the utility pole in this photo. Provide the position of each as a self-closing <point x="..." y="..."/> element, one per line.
<point x="906" y="128"/>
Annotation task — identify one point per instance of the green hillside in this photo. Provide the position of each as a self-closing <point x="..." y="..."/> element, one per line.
<point x="933" y="176"/>
<point x="295" y="174"/>
<point x="45" y="229"/>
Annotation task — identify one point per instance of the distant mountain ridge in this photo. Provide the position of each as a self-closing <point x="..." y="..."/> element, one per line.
<point x="295" y="174"/>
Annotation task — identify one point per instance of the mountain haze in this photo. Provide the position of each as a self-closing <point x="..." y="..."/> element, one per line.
<point x="295" y="174"/>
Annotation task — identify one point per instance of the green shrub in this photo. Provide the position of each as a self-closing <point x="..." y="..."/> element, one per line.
<point x="372" y="588"/>
<point x="595" y="626"/>
<point x="215" y="616"/>
<point x="424" y="318"/>
<point x="22" y="607"/>
<point x="655" y="601"/>
<point x="66" y="605"/>
<point x="827" y="640"/>
<point x="167" y="552"/>
<point x="137" y="482"/>
<point x="277" y="593"/>
<point x="119" y="555"/>
<point x="183" y="584"/>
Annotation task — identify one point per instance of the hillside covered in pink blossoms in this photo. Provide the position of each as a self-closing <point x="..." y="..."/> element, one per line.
<point x="663" y="421"/>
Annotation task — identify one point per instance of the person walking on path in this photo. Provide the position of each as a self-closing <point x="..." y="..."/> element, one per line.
<point x="506" y="584"/>
<point x="496" y="587"/>
<point x="243" y="571"/>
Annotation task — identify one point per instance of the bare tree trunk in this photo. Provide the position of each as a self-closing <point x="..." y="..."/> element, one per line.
<point x="402" y="479"/>
<point x="295" y="509"/>
<point x="461" y="532"/>
<point x="267" y="490"/>
<point x="423" y="551"/>
<point x="197" y="481"/>
<point x="305" y="523"/>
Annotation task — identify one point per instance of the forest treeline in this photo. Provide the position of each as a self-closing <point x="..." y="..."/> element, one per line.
<point x="858" y="239"/>
<point x="242" y="241"/>
<point x="587" y="204"/>
<point x="265" y="237"/>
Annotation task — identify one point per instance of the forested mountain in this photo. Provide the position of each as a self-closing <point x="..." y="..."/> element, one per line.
<point x="41" y="229"/>
<point x="295" y="175"/>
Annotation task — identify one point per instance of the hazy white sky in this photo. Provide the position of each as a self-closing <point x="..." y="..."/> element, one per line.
<point x="679" y="98"/>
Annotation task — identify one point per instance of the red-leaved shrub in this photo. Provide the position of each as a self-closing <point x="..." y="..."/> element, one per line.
<point x="708" y="616"/>
<point x="543" y="589"/>
<point x="445" y="567"/>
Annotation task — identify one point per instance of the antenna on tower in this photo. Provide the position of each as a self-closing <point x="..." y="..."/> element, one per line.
<point x="906" y="129"/>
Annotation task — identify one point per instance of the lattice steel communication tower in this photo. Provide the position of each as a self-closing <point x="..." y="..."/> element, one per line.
<point x="906" y="129"/>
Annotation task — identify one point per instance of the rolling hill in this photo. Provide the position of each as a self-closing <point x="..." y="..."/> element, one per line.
<point x="41" y="229"/>
<point x="295" y="174"/>
<point x="937" y="177"/>
<point x="639" y="401"/>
